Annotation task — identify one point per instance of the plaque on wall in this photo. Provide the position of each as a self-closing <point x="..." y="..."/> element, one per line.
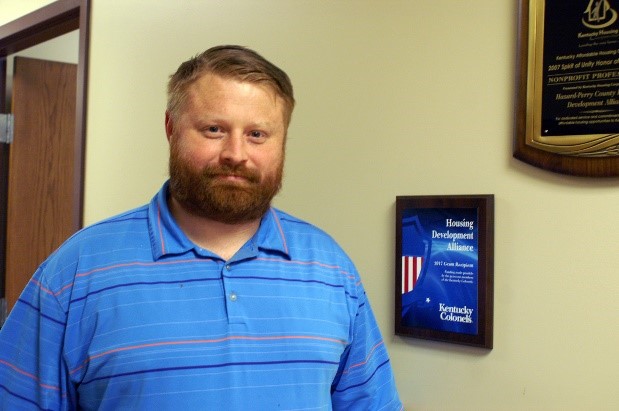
<point x="567" y="114"/>
<point x="444" y="268"/>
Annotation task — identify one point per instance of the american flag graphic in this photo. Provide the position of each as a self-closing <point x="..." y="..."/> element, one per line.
<point x="411" y="267"/>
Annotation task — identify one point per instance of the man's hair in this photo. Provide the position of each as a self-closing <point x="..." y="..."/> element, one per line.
<point x="236" y="62"/>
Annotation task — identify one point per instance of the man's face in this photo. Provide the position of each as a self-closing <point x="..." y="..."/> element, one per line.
<point x="227" y="149"/>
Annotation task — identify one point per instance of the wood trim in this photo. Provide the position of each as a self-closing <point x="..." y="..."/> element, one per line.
<point x="81" y="112"/>
<point x="4" y="184"/>
<point x="53" y="20"/>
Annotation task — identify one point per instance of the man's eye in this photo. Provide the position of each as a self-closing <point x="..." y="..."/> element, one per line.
<point x="256" y="134"/>
<point x="212" y="131"/>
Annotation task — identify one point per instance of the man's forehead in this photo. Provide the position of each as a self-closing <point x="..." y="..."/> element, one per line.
<point x="210" y="81"/>
<point x="210" y="88"/>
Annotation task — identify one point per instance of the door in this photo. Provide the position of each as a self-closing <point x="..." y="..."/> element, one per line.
<point x="41" y="189"/>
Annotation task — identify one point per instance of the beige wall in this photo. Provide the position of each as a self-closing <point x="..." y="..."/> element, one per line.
<point x="13" y="9"/>
<point x="394" y="98"/>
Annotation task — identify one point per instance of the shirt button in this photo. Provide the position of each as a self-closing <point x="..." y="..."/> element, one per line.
<point x="228" y="267"/>
<point x="233" y="296"/>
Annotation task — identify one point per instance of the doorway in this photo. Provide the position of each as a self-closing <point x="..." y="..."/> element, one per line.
<point x="56" y="19"/>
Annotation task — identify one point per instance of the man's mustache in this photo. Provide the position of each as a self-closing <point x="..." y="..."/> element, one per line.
<point x="232" y="171"/>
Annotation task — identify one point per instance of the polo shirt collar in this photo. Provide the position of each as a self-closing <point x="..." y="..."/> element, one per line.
<point x="167" y="238"/>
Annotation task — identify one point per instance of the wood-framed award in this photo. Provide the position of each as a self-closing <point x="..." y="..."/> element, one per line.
<point x="567" y="103"/>
<point x="444" y="261"/>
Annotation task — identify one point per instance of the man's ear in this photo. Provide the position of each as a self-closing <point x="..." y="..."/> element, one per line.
<point x="169" y="125"/>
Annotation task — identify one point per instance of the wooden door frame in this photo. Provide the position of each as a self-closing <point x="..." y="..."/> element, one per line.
<point x="53" y="20"/>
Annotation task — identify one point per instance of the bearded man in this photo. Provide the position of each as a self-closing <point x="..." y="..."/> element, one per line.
<point x="207" y="297"/>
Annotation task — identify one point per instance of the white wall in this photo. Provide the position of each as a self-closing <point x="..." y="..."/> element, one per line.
<point x="13" y="9"/>
<point x="394" y="98"/>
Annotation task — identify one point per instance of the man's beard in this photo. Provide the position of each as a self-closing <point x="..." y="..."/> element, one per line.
<point x="203" y="193"/>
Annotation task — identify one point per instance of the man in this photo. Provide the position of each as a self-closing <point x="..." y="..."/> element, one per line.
<point x="206" y="298"/>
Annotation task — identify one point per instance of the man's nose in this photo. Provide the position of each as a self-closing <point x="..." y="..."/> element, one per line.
<point x="234" y="149"/>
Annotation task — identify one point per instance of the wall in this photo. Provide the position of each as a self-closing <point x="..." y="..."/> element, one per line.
<point x="394" y="98"/>
<point x="13" y="9"/>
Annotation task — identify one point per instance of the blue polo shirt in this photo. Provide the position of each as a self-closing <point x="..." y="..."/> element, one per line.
<point x="130" y="314"/>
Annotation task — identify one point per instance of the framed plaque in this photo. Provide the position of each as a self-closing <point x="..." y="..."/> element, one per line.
<point x="444" y="268"/>
<point x="567" y="113"/>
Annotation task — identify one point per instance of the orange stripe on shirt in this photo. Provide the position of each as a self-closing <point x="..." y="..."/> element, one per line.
<point x="31" y="376"/>
<point x="281" y="231"/>
<point x="366" y="358"/>
<point x="160" y="225"/>
<point x="110" y="267"/>
<point x="333" y="267"/>
<point x="207" y="341"/>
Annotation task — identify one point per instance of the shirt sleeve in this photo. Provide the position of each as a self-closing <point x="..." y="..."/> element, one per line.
<point x="365" y="379"/>
<point x="33" y="373"/>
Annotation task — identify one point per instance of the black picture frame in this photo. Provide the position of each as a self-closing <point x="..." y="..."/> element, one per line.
<point x="447" y="242"/>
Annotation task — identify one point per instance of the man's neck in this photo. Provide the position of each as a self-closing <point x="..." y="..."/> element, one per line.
<point x="220" y="238"/>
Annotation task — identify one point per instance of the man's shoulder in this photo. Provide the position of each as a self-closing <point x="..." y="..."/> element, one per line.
<point x="112" y="230"/>
<point x="111" y="239"/>
<point x="294" y="224"/>
<point x="116" y="223"/>
<point x="308" y="236"/>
